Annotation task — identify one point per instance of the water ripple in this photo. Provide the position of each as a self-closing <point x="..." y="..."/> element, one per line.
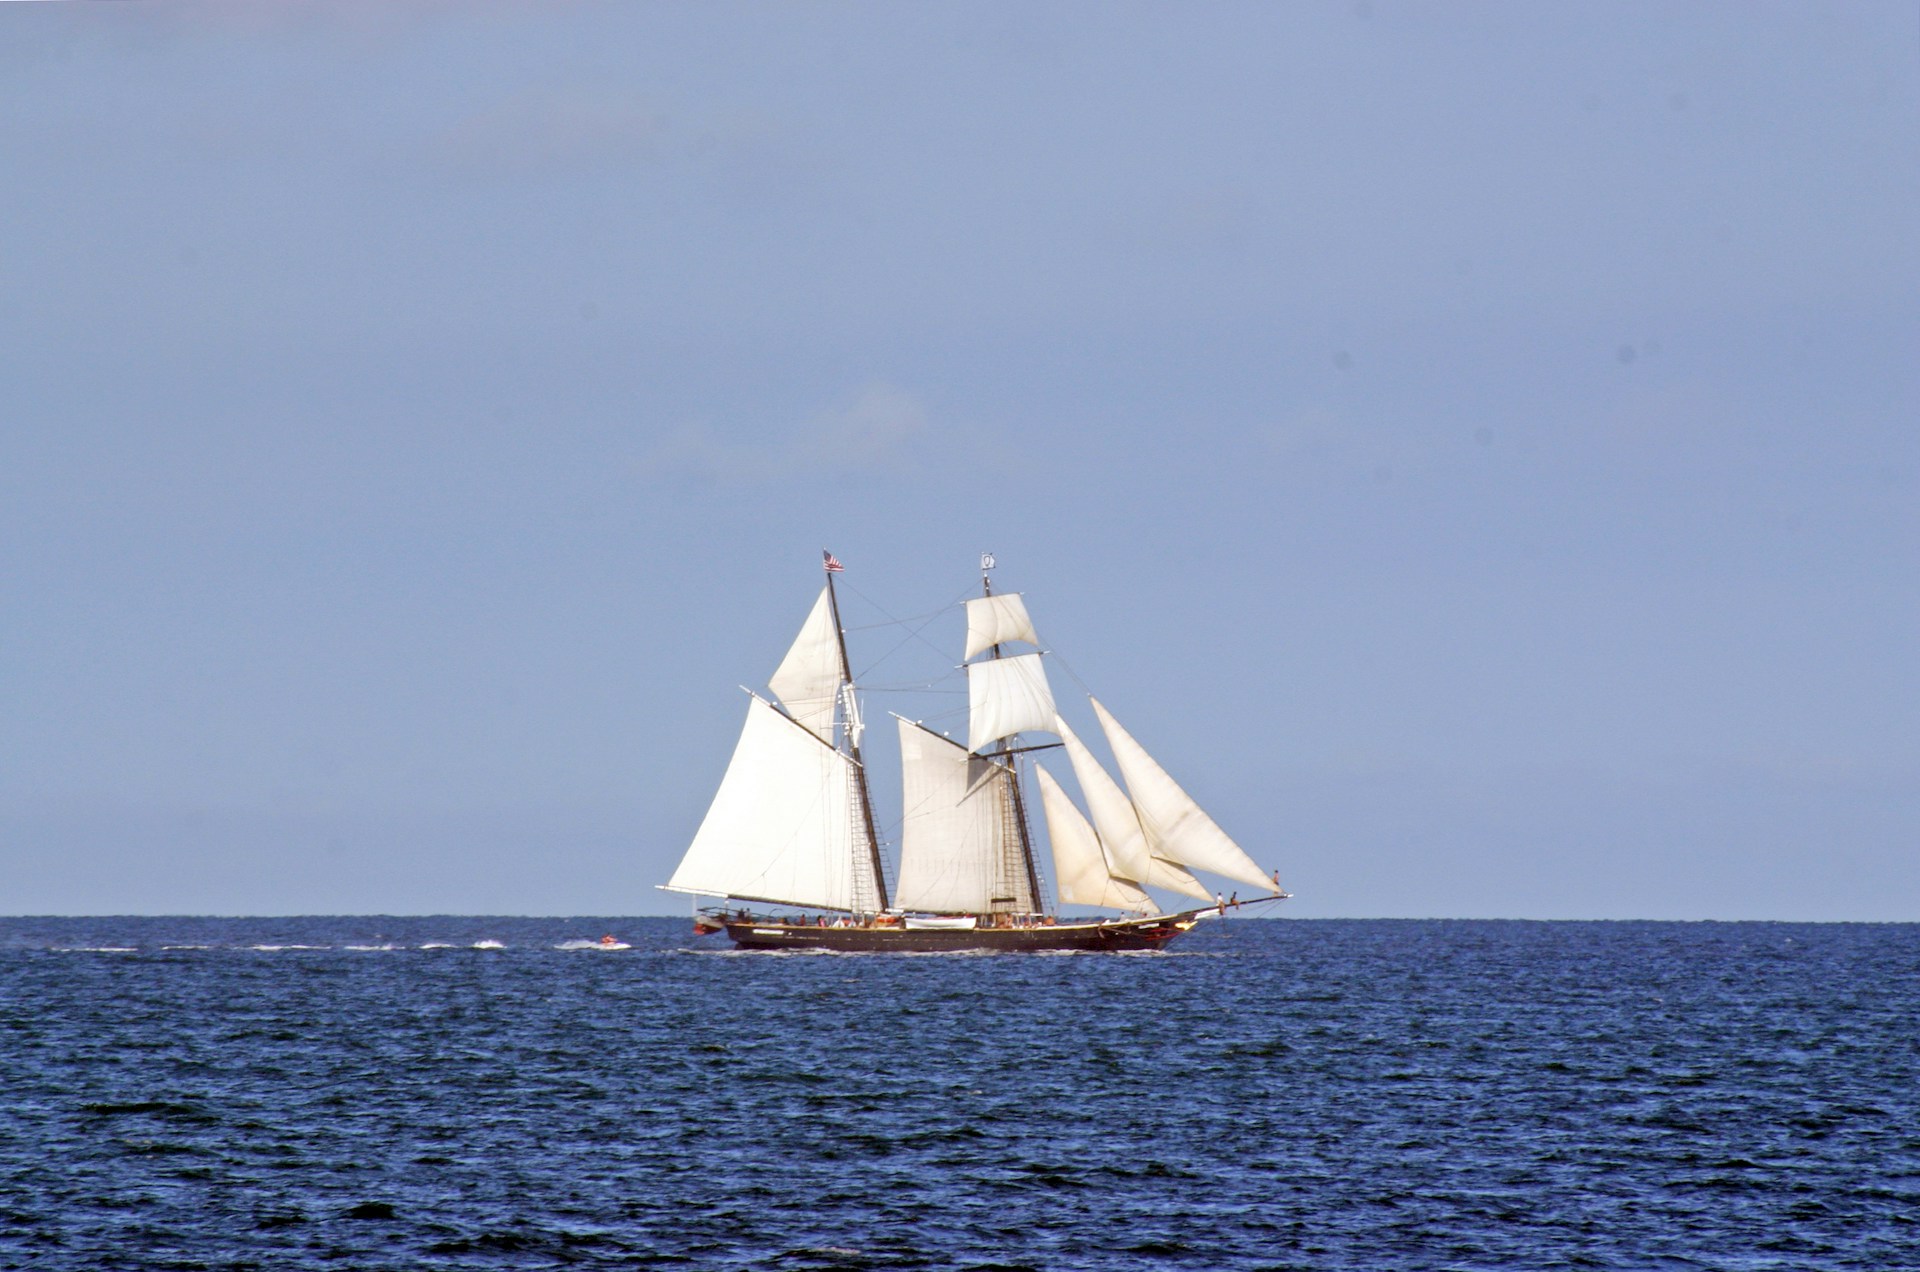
<point x="187" y="1093"/>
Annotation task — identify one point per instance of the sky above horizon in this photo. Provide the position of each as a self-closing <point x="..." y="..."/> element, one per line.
<point x="1473" y="446"/>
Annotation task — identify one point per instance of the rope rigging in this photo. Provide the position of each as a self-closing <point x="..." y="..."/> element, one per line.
<point x="916" y="633"/>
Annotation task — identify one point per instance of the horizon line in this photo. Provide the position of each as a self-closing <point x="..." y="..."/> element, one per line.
<point x="1260" y="918"/>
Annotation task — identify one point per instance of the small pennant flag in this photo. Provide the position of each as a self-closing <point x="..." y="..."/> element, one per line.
<point x="833" y="566"/>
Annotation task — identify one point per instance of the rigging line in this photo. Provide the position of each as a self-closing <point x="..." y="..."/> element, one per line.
<point x="893" y="622"/>
<point x="917" y="685"/>
<point x="915" y="634"/>
<point x="1061" y="662"/>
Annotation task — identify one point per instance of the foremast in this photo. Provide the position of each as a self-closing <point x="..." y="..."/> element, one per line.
<point x="875" y="879"/>
<point x="792" y="822"/>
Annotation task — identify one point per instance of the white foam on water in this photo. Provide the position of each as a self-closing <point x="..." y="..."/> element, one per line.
<point x="97" y="949"/>
<point x="593" y="945"/>
<point x="437" y="945"/>
<point x="186" y="947"/>
<point x="278" y="948"/>
<point x="364" y="948"/>
<point x="807" y="951"/>
<point x="489" y="945"/>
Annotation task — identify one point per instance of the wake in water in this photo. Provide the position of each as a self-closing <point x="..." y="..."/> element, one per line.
<point x="305" y="937"/>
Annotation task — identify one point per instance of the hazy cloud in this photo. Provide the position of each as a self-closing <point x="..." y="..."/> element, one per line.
<point x="877" y="429"/>
<point x="558" y="128"/>
<point x="1321" y="434"/>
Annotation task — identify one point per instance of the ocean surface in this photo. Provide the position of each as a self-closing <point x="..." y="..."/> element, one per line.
<point x="485" y="1093"/>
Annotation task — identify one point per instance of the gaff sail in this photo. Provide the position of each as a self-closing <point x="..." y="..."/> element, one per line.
<point x="784" y="825"/>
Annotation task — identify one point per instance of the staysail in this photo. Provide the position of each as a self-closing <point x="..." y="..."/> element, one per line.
<point x="954" y="835"/>
<point x="784" y="826"/>
<point x="1177" y="829"/>
<point x="1081" y="873"/>
<point x="1119" y="827"/>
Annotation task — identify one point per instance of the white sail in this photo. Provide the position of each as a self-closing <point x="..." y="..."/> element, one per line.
<point x="1177" y="828"/>
<point x="1005" y="696"/>
<point x="1080" y="872"/>
<point x="807" y="681"/>
<point x="782" y="825"/>
<point x="952" y="833"/>
<point x="1118" y="825"/>
<point x="993" y="620"/>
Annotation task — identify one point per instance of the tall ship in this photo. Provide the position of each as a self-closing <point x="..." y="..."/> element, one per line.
<point x="792" y="825"/>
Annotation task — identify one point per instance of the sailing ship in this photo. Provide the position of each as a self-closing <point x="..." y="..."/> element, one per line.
<point x="792" y="824"/>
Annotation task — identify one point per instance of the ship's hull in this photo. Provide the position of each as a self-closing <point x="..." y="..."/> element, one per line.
<point x="1121" y="934"/>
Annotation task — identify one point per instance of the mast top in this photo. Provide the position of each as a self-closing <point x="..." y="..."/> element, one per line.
<point x="829" y="564"/>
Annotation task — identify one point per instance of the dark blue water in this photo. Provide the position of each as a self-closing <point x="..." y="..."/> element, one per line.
<point x="1365" y="1095"/>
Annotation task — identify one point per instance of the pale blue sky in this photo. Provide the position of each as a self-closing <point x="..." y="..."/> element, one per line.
<point x="1472" y="445"/>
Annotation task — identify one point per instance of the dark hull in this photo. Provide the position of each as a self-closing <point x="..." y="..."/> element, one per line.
<point x="1130" y="934"/>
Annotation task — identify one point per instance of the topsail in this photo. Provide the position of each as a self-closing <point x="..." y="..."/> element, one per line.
<point x="995" y="620"/>
<point x="807" y="681"/>
<point x="1007" y="696"/>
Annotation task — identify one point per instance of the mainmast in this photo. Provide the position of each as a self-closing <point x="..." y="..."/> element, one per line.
<point x="1007" y="758"/>
<point x="854" y="729"/>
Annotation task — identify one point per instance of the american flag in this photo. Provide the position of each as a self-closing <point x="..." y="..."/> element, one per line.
<point x="833" y="566"/>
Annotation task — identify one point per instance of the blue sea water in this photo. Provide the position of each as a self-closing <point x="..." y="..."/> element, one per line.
<point x="381" y="1093"/>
